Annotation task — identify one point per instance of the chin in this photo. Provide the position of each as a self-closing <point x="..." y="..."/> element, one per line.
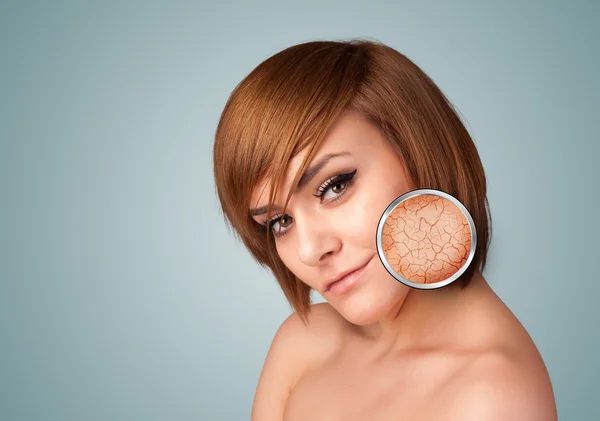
<point x="361" y="318"/>
<point x="362" y="310"/>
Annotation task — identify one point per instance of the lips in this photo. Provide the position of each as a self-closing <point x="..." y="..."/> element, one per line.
<point x="342" y="275"/>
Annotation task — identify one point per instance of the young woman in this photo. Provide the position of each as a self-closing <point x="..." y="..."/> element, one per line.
<point x="311" y="148"/>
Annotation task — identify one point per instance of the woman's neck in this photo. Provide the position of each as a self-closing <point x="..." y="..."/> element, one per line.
<point x="429" y="319"/>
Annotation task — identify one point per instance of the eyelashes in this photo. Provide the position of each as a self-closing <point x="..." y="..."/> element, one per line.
<point x="338" y="179"/>
<point x="345" y="179"/>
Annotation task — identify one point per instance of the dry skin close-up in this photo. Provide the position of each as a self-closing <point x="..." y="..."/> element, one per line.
<point x="426" y="239"/>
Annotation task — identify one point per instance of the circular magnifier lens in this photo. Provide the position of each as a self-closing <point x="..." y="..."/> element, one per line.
<point x="426" y="239"/>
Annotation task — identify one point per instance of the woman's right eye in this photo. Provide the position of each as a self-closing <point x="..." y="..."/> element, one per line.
<point x="283" y="221"/>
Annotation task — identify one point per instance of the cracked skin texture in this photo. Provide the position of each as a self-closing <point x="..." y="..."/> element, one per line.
<point x="426" y="239"/>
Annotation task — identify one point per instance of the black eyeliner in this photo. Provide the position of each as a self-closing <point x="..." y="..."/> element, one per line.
<point x="341" y="178"/>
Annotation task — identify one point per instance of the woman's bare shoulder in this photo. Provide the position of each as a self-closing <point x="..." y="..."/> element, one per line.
<point x="297" y="347"/>
<point x="497" y="384"/>
<point x="314" y="340"/>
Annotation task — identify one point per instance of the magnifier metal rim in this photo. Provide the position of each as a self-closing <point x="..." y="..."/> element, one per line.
<point x="383" y="220"/>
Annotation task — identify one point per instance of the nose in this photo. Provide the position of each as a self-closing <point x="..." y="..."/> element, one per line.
<point x="317" y="239"/>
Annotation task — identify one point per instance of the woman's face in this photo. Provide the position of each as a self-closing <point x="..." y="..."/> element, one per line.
<point x="330" y="224"/>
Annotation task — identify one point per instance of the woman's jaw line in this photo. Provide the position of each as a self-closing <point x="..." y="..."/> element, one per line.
<point x="415" y="317"/>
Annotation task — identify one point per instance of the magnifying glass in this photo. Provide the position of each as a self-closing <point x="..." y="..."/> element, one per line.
<point x="426" y="239"/>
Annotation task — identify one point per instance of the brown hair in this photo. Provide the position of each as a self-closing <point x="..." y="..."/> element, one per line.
<point x="289" y="102"/>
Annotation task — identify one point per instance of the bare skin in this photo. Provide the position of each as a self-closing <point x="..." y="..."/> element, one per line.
<point x="383" y="351"/>
<point x="474" y="360"/>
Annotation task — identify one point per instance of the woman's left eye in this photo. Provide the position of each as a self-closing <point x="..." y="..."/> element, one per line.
<point x="336" y="188"/>
<point x="337" y="184"/>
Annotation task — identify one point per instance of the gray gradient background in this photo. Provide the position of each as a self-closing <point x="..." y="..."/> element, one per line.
<point x="122" y="295"/>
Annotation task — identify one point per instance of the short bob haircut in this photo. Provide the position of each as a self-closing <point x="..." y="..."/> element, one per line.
<point x="290" y="101"/>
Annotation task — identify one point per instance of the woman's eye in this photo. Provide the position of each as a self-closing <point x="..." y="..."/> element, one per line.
<point x="283" y="222"/>
<point x="333" y="188"/>
<point x="336" y="189"/>
<point x="336" y="185"/>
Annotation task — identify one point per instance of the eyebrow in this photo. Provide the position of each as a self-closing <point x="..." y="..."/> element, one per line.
<point x="306" y="178"/>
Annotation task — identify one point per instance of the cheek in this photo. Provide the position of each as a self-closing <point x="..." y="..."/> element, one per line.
<point x="426" y="239"/>
<point x="360" y="218"/>
<point x="289" y="256"/>
<point x="290" y="260"/>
